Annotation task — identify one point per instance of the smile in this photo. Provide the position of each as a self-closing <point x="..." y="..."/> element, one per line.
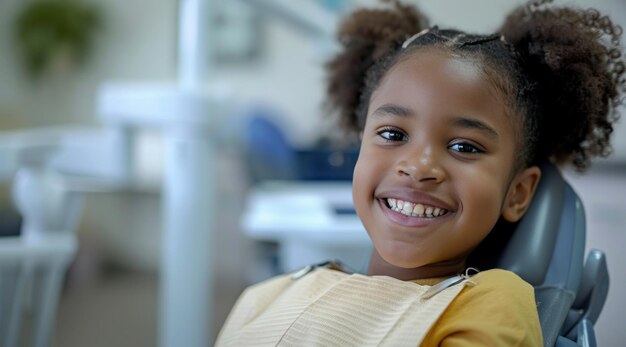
<point x="411" y="209"/>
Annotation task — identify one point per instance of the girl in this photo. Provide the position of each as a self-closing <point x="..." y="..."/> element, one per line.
<point x="453" y="127"/>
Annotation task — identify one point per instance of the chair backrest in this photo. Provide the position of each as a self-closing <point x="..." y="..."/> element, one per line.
<point x="546" y="248"/>
<point x="33" y="263"/>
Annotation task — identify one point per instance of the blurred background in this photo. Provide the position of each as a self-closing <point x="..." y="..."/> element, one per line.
<point x="72" y="70"/>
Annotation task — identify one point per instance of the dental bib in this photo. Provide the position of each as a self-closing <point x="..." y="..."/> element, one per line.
<point x="326" y="307"/>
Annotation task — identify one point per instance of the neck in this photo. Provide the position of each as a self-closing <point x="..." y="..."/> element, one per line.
<point x="379" y="267"/>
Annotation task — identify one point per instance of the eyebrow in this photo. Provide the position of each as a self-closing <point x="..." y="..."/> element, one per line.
<point x="471" y="123"/>
<point x="392" y="110"/>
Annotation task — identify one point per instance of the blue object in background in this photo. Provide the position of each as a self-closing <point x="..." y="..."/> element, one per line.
<point x="268" y="151"/>
<point x="271" y="156"/>
<point x="326" y="164"/>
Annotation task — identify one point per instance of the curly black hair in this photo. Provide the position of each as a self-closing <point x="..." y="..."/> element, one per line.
<point x="559" y="68"/>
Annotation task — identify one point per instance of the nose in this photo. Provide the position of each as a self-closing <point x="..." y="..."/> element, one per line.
<point x="421" y="165"/>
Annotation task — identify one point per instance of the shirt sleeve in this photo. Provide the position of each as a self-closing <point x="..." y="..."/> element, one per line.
<point x="497" y="310"/>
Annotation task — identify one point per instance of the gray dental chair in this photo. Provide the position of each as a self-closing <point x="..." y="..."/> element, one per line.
<point x="546" y="248"/>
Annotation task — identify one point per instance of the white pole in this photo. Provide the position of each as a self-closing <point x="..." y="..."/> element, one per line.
<point x="187" y="282"/>
<point x="194" y="38"/>
<point x="187" y="275"/>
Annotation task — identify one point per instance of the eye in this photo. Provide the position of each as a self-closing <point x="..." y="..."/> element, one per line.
<point x="392" y="135"/>
<point x="465" y="148"/>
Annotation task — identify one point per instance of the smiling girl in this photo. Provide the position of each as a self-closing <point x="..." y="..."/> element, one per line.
<point x="453" y="128"/>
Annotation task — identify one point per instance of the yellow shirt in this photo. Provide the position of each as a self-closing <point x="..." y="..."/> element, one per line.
<point x="499" y="310"/>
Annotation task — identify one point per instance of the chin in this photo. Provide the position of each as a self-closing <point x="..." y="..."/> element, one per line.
<point x="405" y="260"/>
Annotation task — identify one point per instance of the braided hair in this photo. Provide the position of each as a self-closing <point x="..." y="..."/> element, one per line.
<point x="560" y="71"/>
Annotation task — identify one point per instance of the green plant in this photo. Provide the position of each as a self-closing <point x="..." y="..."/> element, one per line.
<point x="46" y="29"/>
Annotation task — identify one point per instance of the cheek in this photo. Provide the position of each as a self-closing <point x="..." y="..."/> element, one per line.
<point x="360" y="183"/>
<point x="486" y="191"/>
<point x="367" y="174"/>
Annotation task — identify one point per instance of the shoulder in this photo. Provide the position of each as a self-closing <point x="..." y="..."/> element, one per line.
<point x="257" y="297"/>
<point x="497" y="290"/>
<point x="500" y="281"/>
<point x="280" y="292"/>
<point x="499" y="274"/>
<point x="252" y="302"/>
<point x="496" y="306"/>
<point x="267" y="289"/>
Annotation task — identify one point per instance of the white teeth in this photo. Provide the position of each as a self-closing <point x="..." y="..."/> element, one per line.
<point x="418" y="210"/>
<point x="392" y="203"/>
<point x="429" y="211"/>
<point x="407" y="208"/>
<point x="415" y="210"/>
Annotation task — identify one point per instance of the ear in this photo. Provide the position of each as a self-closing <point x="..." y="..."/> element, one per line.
<point x="520" y="194"/>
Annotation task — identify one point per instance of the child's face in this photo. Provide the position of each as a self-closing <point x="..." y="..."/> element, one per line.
<point x="438" y="139"/>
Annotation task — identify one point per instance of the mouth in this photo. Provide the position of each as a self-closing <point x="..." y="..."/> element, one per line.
<point x="413" y="209"/>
